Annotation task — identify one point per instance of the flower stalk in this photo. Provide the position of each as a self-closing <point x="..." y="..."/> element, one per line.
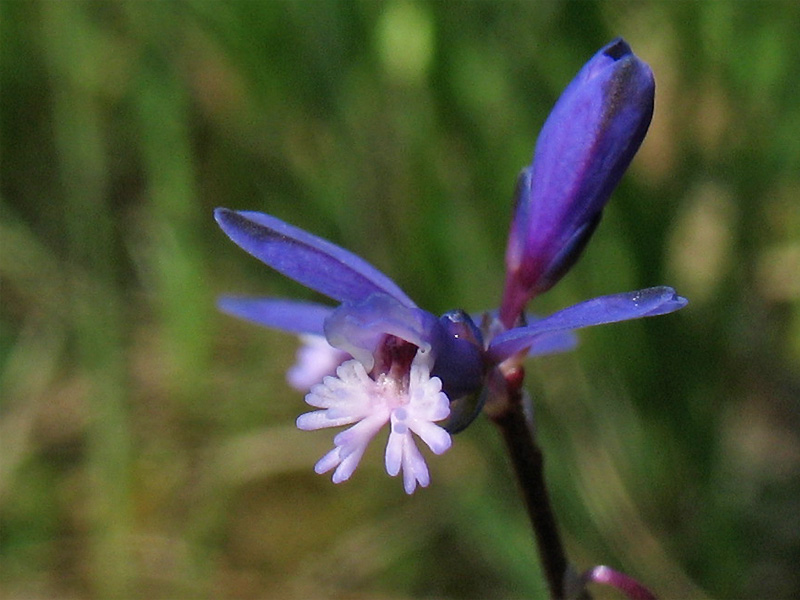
<point x="510" y="411"/>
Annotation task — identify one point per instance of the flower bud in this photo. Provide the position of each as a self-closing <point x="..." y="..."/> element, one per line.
<point x="586" y="144"/>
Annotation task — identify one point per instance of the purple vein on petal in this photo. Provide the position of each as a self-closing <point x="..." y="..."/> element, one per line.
<point x="310" y="260"/>
<point x="598" y="311"/>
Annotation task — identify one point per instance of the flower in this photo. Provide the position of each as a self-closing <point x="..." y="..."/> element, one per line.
<point x="385" y="361"/>
<point x="383" y="348"/>
<point x="408" y="368"/>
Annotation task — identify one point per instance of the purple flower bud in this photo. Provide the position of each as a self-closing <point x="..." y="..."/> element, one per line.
<point x="586" y="144"/>
<point x="624" y="583"/>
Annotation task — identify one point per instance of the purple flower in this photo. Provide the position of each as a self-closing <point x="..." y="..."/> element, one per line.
<point x="586" y="144"/>
<point x="382" y="348"/>
<point x="376" y="359"/>
<point x="408" y="369"/>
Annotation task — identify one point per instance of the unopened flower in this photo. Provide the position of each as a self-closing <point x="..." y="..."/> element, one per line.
<point x="585" y="146"/>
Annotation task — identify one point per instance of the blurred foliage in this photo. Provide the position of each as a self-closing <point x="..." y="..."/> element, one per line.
<point x="148" y="447"/>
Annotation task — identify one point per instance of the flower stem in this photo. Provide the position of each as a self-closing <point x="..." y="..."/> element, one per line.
<point x="528" y="462"/>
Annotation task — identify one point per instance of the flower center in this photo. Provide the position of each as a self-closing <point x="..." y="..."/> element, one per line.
<point x="393" y="361"/>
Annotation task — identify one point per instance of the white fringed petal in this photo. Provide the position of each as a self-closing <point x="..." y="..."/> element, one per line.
<point x="352" y="396"/>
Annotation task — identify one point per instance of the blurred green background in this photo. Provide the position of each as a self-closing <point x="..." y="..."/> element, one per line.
<point x="148" y="442"/>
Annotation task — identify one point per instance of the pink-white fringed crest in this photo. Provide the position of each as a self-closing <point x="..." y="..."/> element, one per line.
<point x="411" y="405"/>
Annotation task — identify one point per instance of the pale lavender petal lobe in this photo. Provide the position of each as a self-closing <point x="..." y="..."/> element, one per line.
<point x="327" y="462"/>
<point x="436" y="438"/>
<point x="320" y="419"/>
<point x="394" y="453"/>
<point x="414" y="468"/>
<point x="348" y="465"/>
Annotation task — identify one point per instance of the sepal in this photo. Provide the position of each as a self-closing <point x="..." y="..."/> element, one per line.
<point x="613" y="308"/>
<point x="310" y="260"/>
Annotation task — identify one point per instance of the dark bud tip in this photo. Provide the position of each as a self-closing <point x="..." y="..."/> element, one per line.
<point x="617" y="49"/>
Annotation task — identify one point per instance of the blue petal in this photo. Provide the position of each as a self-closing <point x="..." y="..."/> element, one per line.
<point x="553" y="342"/>
<point x="287" y="315"/>
<point x="360" y="328"/>
<point x="605" y="309"/>
<point x="306" y="258"/>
